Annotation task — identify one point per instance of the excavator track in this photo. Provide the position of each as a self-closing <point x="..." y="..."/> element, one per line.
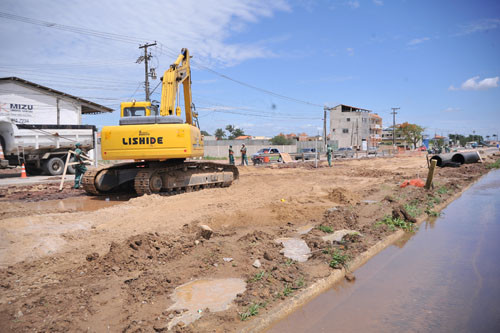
<point x="164" y="178"/>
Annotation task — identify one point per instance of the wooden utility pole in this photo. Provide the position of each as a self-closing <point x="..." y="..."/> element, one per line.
<point x="146" y="58"/>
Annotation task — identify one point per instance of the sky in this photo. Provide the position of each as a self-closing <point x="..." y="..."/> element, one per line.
<point x="270" y="66"/>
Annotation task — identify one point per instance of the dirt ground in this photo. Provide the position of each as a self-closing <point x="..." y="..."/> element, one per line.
<point x="67" y="268"/>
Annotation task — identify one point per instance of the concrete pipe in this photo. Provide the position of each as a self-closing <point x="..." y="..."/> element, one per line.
<point x="442" y="159"/>
<point x="466" y="157"/>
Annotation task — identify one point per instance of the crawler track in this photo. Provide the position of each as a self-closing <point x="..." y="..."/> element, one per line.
<point x="163" y="178"/>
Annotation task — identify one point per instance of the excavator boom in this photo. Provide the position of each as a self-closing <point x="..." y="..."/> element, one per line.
<point x="159" y="144"/>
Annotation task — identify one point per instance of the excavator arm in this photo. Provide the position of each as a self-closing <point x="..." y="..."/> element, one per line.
<point x="178" y="73"/>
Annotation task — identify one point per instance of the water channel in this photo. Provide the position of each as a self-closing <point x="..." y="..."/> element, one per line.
<point x="445" y="278"/>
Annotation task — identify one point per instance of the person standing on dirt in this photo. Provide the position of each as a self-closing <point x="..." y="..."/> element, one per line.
<point x="231" y="155"/>
<point x="243" y="152"/>
<point x="329" y="152"/>
<point x="80" y="168"/>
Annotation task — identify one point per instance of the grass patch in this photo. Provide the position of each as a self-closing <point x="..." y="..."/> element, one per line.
<point x="495" y="165"/>
<point x="413" y="209"/>
<point x="393" y="223"/>
<point x="287" y="291"/>
<point x="210" y="158"/>
<point x="442" y="190"/>
<point x="289" y="262"/>
<point x="257" y="277"/>
<point x="252" y="310"/>
<point x="301" y="282"/>
<point x="339" y="259"/>
<point x="326" y="229"/>
<point x="432" y="213"/>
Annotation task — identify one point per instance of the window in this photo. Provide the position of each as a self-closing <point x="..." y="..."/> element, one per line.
<point x="274" y="151"/>
<point x="134" y="111"/>
<point x="348" y="119"/>
<point x="345" y="130"/>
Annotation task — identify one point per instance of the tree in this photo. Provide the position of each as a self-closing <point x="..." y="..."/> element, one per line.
<point x="234" y="132"/>
<point x="205" y="133"/>
<point x="411" y="133"/>
<point x="281" y="140"/>
<point x="220" y="134"/>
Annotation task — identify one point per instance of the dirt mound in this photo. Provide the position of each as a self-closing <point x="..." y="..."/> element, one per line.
<point x="342" y="196"/>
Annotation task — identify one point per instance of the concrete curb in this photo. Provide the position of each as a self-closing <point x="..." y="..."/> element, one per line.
<point x="284" y="309"/>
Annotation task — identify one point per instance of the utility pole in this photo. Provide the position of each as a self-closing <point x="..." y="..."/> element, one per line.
<point x="324" y="126"/>
<point x="394" y="126"/>
<point x="146" y="58"/>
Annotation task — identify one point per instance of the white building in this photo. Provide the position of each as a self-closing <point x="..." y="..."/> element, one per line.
<point x="355" y="127"/>
<point x="25" y="102"/>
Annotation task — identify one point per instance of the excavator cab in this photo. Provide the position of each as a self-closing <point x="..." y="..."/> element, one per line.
<point x="138" y="109"/>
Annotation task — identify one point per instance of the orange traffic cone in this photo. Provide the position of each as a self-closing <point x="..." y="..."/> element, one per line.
<point x="23" y="172"/>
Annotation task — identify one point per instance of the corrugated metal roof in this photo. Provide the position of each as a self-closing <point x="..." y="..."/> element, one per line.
<point x="88" y="107"/>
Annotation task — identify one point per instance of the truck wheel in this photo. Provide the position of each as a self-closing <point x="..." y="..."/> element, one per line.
<point x="54" y="166"/>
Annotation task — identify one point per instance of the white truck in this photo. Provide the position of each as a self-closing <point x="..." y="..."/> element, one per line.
<point x="42" y="148"/>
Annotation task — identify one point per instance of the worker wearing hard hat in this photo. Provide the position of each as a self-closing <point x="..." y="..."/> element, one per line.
<point x="80" y="168"/>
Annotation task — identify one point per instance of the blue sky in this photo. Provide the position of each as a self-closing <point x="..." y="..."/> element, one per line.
<point x="439" y="61"/>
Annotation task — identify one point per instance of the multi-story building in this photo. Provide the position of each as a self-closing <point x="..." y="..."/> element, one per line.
<point x="355" y="127"/>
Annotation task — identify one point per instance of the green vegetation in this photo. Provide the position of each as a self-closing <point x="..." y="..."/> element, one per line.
<point x="495" y="165"/>
<point x="325" y="229"/>
<point x="253" y="310"/>
<point x="432" y="213"/>
<point x="289" y="262"/>
<point x="257" y="277"/>
<point x="287" y="291"/>
<point x="394" y="223"/>
<point x="413" y="209"/>
<point x="442" y="190"/>
<point x="281" y="140"/>
<point x="300" y="283"/>
<point x="209" y="158"/>
<point x="339" y="259"/>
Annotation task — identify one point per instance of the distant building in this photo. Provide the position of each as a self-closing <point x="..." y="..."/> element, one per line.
<point x="243" y="137"/>
<point x="387" y="137"/>
<point x="355" y="127"/>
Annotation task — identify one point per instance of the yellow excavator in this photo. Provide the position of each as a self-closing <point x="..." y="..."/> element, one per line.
<point x="158" y="145"/>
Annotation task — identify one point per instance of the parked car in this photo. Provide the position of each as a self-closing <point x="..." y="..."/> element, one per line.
<point x="372" y="151"/>
<point x="344" y="152"/>
<point x="266" y="155"/>
<point x="306" y="153"/>
<point x="422" y="148"/>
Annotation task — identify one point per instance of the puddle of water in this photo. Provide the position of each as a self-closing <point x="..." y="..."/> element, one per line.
<point x="196" y="296"/>
<point x="295" y="249"/>
<point x="445" y="278"/>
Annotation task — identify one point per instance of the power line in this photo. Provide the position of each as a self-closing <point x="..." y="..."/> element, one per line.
<point x="129" y="39"/>
<point x="83" y="31"/>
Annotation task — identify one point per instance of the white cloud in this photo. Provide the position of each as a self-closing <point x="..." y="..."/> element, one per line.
<point x="481" y="25"/>
<point x="206" y="33"/>
<point x="450" y="109"/>
<point x="474" y="84"/>
<point x="417" y="41"/>
<point x="378" y="2"/>
<point x="350" y="51"/>
<point x="354" y="4"/>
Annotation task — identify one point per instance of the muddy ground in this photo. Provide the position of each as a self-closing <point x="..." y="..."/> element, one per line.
<point x="115" y="268"/>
